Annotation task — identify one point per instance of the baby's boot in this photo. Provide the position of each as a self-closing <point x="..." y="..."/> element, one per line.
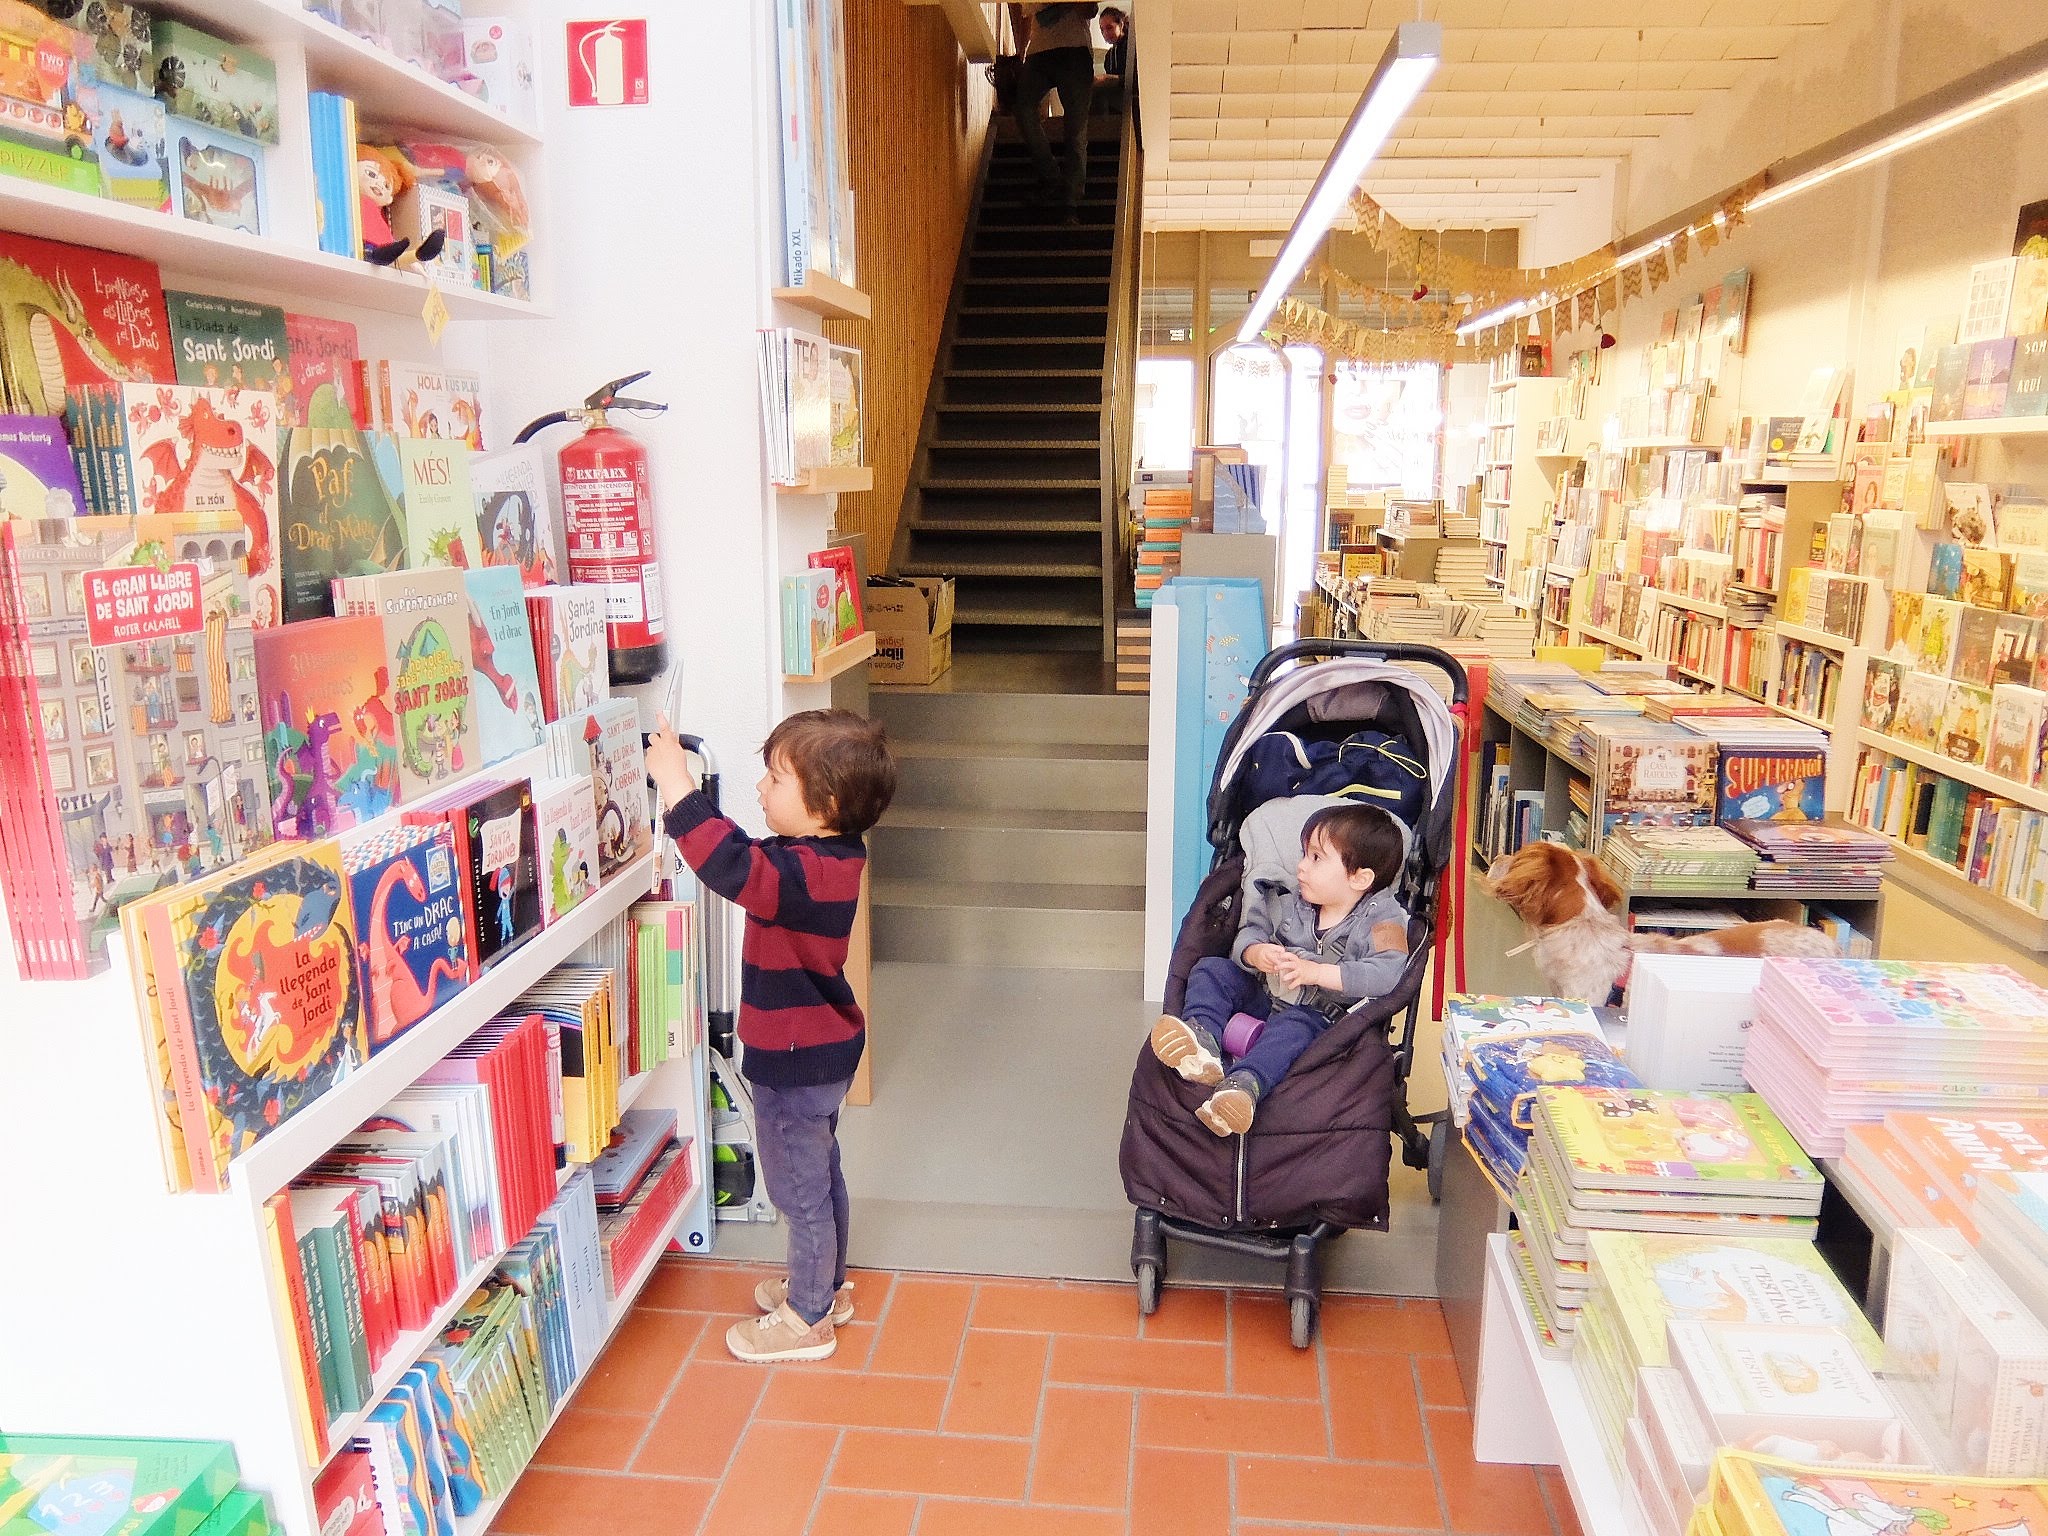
<point x="1230" y="1108"/>
<point x="1187" y="1048"/>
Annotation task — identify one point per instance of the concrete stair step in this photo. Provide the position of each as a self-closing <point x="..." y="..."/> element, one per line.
<point x="1044" y="720"/>
<point x="1036" y="854"/>
<point x="1026" y="925"/>
<point x="1020" y="776"/>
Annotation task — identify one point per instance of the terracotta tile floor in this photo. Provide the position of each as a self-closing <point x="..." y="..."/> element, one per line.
<point x="993" y="1407"/>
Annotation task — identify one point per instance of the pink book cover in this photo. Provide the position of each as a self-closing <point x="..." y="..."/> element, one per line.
<point x="322" y="352"/>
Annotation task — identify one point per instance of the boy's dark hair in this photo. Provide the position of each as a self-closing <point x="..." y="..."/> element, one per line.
<point x="1109" y="11"/>
<point x="841" y="761"/>
<point x="1363" y="836"/>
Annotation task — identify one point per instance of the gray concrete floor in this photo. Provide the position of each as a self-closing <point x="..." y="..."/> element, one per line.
<point x="991" y="1145"/>
<point x="1018" y="672"/>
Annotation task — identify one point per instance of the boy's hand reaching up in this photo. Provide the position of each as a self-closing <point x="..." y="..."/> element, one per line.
<point x="668" y="764"/>
<point x="1300" y="971"/>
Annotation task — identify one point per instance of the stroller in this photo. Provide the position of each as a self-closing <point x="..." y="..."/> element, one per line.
<point x="1316" y="1160"/>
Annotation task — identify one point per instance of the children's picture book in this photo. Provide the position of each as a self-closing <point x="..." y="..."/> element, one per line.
<point x="411" y="939"/>
<point x="217" y="178"/>
<point x="569" y="645"/>
<point x="2022" y="522"/>
<point x="1989" y="379"/>
<point x="440" y="513"/>
<point x="38" y="477"/>
<point x="337" y="517"/>
<point x="1974" y="638"/>
<point x="1973" y="508"/>
<point x="130" y="137"/>
<point x="183" y="448"/>
<point x="506" y="684"/>
<point x="330" y="737"/>
<point x="323" y="354"/>
<point x="847" y="619"/>
<point x="1965" y="723"/>
<point x="1923" y="706"/>
<point x="426" y="619"/>
<point x="565" y="831"/>
<point x="1754" y="1493"/>
<point x="1653" y="1139"/>
<point x="1771" y="784"/>
<point x="1989" y="302"/>
<point x="1941" y="624"/>
<point x="77" y="1483"/>
<point x="503" y="871"/>
<point x="2028" y="395"/>
<point x="256" y="973"/>
<point x="1951" y="373"/>
<point x="1902" y="635"/>
<point x="1987" y="578"/>
<point x="141" y="758"/>
<point x="2015" y="649"/>
<point x="1803" y="1383"/>
<point x="514" y="516"/>
<point x="2029" y="592"/>
<point x="1945" y="570"/>
<point x="605" y="744"/>
<point x="2018" y="715"/>
<point x="1881" y="684"/>
<point x="426" y="400"/>
<point x="103" y="315"/>
<point x="848" y="408"/>
<point x="227" y="343"/>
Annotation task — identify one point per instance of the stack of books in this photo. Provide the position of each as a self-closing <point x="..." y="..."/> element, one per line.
<point x="1471" y="1020"/>
<point x="1640" y="1284"/>
<point x="1498" y="1078"/>
<point x="1648" y="1160"/>
<point x="1677" y="859"/>
<point x="1933" y="1170"/>
<point x="1649" y="774"/>
<point x="1806" y="853"/>
<point x="1837" y="1042"/>
<point x="2012" y="1233"/>
<point x="126" y="1487"/>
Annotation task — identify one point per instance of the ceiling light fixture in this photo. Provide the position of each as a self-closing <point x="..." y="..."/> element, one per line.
<point x="1502" y="315"/>
<point x="1411" y="58"/>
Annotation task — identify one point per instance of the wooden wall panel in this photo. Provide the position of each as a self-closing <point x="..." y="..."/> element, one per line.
<point x="917" y="118"/>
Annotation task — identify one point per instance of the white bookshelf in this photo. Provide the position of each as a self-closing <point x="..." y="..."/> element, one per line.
<point x="1523" y="485"/>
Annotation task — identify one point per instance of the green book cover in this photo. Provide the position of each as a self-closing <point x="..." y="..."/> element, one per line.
<point x="243" y="1512"/>
<point x="132" y="1487"/>
<point x="336" y="517"/>
<point x="2027" y="395"/>
<point x="440" y="511"/>
<point x="227" y="343"/>
<point x="318" y="1306"/>
<point x="350" y="1386"/>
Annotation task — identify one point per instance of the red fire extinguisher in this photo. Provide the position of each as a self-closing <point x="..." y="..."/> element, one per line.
<point x="608" y="516"/>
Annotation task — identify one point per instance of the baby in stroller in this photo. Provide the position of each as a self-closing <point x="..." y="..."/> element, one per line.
<point x="1305" y="952"/>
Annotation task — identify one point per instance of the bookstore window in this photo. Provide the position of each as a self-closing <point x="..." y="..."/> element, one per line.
<point x="1164" y="411"/>
<point x="1269" y="401"/>
<point x="1384" y="424"/>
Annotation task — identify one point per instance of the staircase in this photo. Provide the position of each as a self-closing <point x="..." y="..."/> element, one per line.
<point x="1012" y="491"/>
<point x="1017" y="836"/>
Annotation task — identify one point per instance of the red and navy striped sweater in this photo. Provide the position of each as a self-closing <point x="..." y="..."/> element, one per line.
<point x="798" y="1018"/>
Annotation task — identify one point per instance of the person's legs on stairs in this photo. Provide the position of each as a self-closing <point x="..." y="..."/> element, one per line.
<point x="1075" y="81"/>
<point x="1032" y="84"/>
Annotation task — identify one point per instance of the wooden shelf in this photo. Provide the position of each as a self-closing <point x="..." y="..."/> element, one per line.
<point x="1687" y="672"/>
<point x="1609" y="637"/>
<point x="1829" y="473"/>
<point x="1693" y="604"/>
<point x="1629" y="444"/>
<point x="836" y="659"/>
<point x="1946" y="886"/>
<point x="254" y="260"/>
<point x="1804" y="719"/>
<point x="2035" y="799"/>
<point x="2000" y="426"/>
<point x="831" y="482"/>
<point x="292" y="1148"/>
<point x="386" y="90"/>
<point x="827" y="296"/>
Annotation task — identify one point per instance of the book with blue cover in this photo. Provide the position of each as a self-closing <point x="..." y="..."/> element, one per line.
<point x="1507" y="1074"/>
<point x="505" y="679"/>
<point x="406" y="890"/>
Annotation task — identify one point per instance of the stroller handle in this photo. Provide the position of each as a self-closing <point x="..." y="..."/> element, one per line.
<point x="1390" y="650"/>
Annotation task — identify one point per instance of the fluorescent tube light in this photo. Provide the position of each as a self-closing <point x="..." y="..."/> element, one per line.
<point x="1411" y="58"/>
<point x="1502" y="315"/>
<point x="1905" y="138"/>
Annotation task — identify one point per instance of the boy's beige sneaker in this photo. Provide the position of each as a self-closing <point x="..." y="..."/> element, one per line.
<point x="781" y="1335"/>
<point x="1229" y="1110"/>
<point x="770" y="1294"/>
<point x="1188" y="1049"/>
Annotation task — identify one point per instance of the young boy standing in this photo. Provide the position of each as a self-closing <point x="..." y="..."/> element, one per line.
<point x="830" y="777"/>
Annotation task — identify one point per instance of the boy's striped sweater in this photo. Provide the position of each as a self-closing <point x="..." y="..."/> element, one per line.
<point x="798" y="1018"/>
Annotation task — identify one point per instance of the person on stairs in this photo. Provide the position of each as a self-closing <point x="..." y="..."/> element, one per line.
<point x="1303" y="958"/>
<point x="1115" y="27"/>
<point x="1059" y="56"/>
<point x="830" y="777"/>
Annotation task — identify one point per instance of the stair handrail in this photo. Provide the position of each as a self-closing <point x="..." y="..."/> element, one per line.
<point x="1120" y="367"/>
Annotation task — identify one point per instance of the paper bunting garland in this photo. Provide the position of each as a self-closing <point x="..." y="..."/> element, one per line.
<point x="1294" y="321"/>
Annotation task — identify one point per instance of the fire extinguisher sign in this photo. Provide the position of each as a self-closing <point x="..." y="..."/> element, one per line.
<point x="608" y="62"/>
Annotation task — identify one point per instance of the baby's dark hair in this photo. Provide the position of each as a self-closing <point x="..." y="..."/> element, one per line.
<point x="842" y="762"/>
<point x="1363" y="836"/>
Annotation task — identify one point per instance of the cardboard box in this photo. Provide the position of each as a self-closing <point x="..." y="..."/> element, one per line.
<point x="912" y="618"/>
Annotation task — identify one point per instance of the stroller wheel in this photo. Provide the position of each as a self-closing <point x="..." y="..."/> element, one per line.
<point x="1301" y="1320"/>
<point x="1151" y="1279"/>
<point x="1439" y="1145"/>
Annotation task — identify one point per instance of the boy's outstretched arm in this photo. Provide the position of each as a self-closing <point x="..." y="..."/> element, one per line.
<point x="729" y="862"/>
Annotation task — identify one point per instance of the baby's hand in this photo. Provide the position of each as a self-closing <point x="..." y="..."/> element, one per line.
<point x="668" y="764"/>
<point x="1294" y="969"/>
<point x="1263" y="957"/>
